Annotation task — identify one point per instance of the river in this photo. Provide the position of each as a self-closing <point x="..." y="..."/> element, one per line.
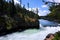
<point x="34" y="34"/>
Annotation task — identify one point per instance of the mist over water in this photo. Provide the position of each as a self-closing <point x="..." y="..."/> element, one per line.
<point x="31" y="34"/>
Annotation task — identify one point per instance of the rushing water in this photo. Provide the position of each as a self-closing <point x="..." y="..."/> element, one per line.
<point x="32" y="34"/>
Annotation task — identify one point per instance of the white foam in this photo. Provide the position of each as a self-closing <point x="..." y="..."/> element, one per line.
<point x="31" y="34"/>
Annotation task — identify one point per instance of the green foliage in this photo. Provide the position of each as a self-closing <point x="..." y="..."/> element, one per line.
<point x="57" y="36"/>
<point x="13" y="16"/>
<point x="55" y="11"/>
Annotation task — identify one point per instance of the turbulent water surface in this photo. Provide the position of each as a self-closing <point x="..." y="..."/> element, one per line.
<point x="31" y="34"/>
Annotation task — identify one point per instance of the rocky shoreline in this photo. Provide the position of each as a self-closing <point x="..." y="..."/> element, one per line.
<point x="19" y="28"/>
<point x="51" y="36"/>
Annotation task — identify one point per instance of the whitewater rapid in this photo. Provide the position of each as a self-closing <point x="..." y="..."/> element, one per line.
<point x="31" y="34"/>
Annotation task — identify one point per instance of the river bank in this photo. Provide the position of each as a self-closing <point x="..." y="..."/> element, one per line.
<point x="20" y="28"/>
<point x="55" y="36"/>
<point x="50" y="19"/>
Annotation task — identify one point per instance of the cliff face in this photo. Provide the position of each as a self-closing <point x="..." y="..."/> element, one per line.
<point x="15" y="18"/>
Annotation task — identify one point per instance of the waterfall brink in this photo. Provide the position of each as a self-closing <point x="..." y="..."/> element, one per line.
<point x="42" y="27"/>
